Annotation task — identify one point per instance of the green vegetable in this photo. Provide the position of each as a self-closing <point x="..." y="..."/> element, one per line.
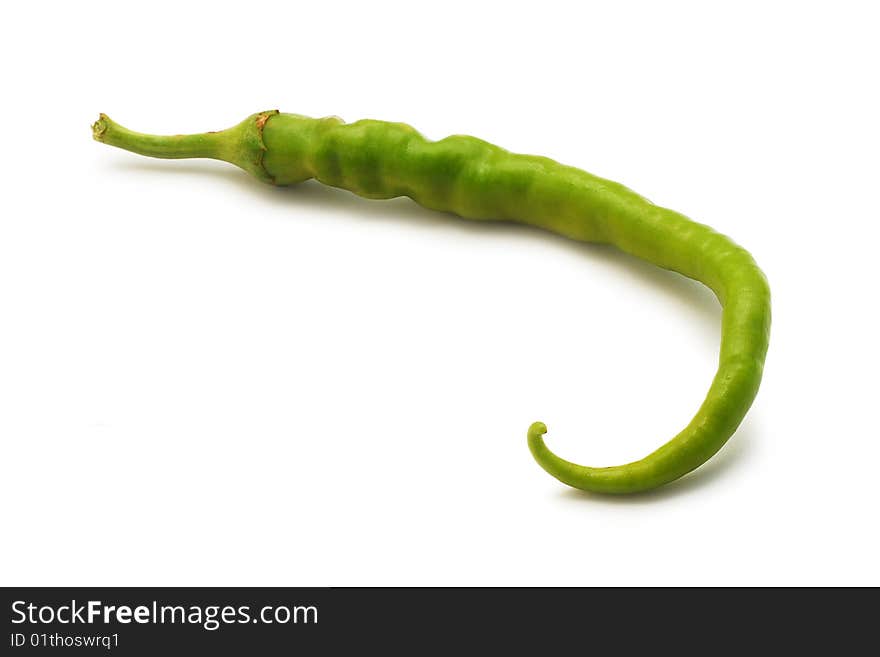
<point x="477" y="180"/>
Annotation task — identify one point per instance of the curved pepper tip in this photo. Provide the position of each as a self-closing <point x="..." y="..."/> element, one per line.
<point x="536" y="433"/>
<point x="537" y="428"/>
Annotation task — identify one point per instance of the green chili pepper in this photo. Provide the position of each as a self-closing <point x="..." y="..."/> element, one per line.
<point x="477" y="180"/>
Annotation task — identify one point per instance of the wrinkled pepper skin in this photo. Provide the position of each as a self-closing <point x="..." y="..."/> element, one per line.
<point x="477" y="180"/>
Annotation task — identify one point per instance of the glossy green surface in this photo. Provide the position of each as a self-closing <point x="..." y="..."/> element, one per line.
<point x="477" y="180"/>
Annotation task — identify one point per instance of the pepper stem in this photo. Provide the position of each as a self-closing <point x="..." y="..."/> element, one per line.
<point x="209" y="144"/>
<point x="241" y="145"/>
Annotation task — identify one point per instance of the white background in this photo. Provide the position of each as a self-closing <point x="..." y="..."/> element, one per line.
<point x="208" y="381"/>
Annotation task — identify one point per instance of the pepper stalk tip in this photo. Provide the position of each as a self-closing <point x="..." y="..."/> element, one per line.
<point x="99" y="127"/>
